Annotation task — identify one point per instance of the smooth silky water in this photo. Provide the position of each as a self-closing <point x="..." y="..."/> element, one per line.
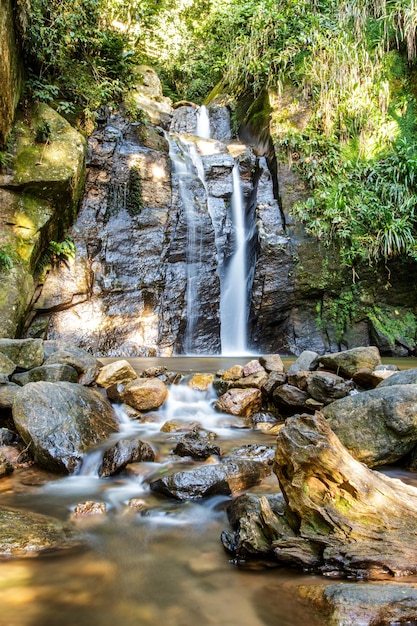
<point x="164" y="565"/>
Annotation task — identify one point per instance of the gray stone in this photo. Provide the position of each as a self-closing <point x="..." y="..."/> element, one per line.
<point x="7" y="366"/>
<point x="378" y="426"/>
<point x="61" y="421"/>
<point x="51" y="373"/>
<point x="350" y="361"/>
<point x="327" y="387"/>
<point x="198" y="444"/>
<point x="404" y="377"/>
<point x="8" y="393"/>
<point x="290" y="399"/>
<point x="306" y="361"/>
<point x="84" y="363"/>
<point x="25" y="353"/>
<point x="125" y="451"/>
<point x="210" y="480"/>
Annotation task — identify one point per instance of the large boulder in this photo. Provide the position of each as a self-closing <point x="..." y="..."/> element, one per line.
<point x="378" y="426"/>
<point x="210" y="480"/>
<point x="348" y="362"/>
<point x="61" y="421"/>
<point x="335" y="516"/>
<point x="24" y="534"/>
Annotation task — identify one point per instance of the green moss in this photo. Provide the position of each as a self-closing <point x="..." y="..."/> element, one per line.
<point x="394" y="323"/>
<point x="134" y="202"/>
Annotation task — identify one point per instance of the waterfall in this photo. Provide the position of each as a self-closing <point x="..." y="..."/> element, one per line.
<point x="193" y="197"/>
<point x="203" y="123"/>
<point x="233" y="302"/>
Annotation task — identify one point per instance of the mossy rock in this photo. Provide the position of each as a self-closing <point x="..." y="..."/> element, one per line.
<point x="54" y="168"/>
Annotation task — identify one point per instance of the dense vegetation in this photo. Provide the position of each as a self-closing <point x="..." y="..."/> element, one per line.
<point x="350" y="62"/>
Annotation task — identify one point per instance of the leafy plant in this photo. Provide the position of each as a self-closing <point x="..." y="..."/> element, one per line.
<point x="7" y="257"/>
<point x="57" y="252"/>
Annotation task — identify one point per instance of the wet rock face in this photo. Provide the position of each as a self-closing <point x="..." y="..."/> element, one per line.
<point x="151" y="256"/>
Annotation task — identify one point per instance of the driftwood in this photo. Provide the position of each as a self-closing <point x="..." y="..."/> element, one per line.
<point x="338" y="517"/>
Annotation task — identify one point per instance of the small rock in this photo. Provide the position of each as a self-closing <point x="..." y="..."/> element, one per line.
<point x="116" y="372"/>
<point x="24" y="353"/>
<point x="5" y="466"/>
<point x="201" y="382"/>
<point x="8" y="393"/>
<point x="252" y="367"/>
<point x="51" y="373"/>
<point x="125" y="451"/>
<point x="272" y="363"/>
<point x="369" y="379"/>
<point x="145" y="394"/>
<point x="173" y="426"/>
<point x="81" y="360"/>
<point x="7" y="366"/>
<point x="197" y="444"/>
<point x="289" y="398"/>
<point x="308" y="360"/>
<point x="326" y="387"/>
<point x="88" y="509"/>
<point x="240" y="402"/>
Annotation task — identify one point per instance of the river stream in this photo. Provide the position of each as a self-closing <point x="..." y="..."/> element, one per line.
<point x="162" y="565"/>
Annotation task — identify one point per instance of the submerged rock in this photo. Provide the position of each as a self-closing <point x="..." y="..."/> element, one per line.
<point x="61" y="421"/>
<point x="366" y="604"/>
<point x="24" y="534"/>
<point x="210" y="480"/>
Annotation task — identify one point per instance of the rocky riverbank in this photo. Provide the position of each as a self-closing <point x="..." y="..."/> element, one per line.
<point x="323" y="420"/>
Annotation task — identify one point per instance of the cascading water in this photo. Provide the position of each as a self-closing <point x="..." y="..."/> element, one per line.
<point x="233" y="282"/>
<point x="189" y="185"/>
<point x="233" y="303"/>
<point x="203" y="123"/>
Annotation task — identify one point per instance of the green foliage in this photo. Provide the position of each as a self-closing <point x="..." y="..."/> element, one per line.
<point x="57" y="253"/>
<point x="7" y="258"/>
<point x="74" y="55"/>
<point x="394" y="324"/>
<point x="43" y="132"/>
<point x="339" y="312"/>
<point x="369" y="207"/>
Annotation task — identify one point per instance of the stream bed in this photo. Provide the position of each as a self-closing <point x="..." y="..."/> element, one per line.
<point x="159" y="563"/>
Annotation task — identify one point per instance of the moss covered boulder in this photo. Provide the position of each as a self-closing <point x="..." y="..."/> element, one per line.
<point x="39" y="196"/>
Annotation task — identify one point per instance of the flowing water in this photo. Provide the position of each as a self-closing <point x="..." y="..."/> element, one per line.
<point x="162" y="565"/>
<point x="234" y="297"/>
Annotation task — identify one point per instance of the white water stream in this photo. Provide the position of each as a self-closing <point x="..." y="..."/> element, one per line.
<point x="233" y="304"/>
